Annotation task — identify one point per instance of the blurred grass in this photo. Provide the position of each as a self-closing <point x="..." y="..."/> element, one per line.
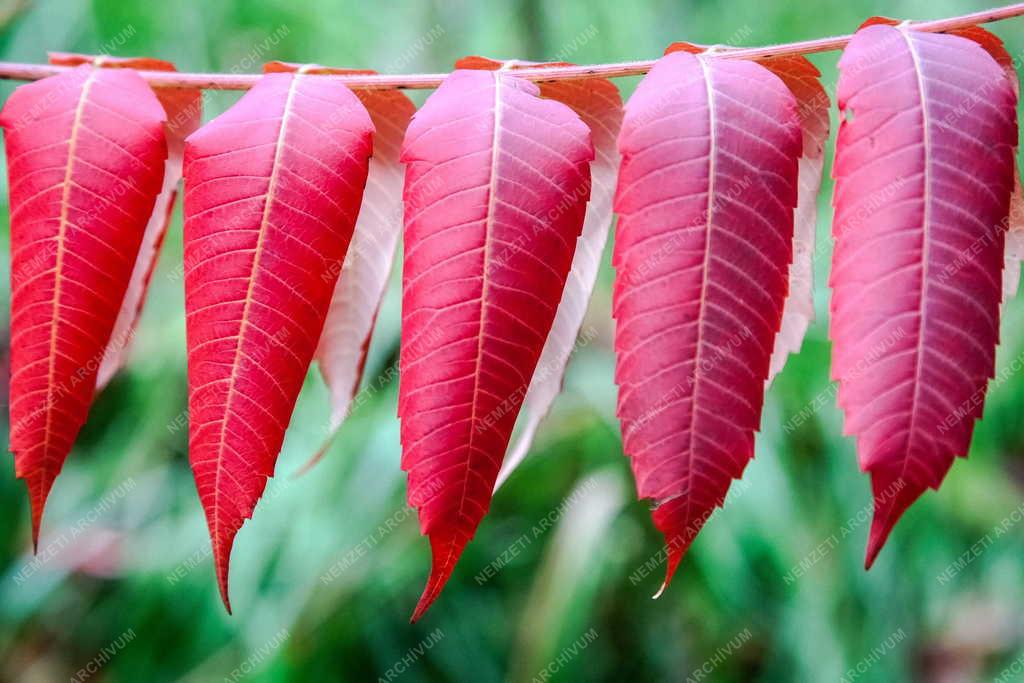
<point x="325" y="575"/>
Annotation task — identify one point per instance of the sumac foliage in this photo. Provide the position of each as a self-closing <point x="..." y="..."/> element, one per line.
<point x="496" y="186"/>
<point x="924" y="173"/>
<point x="341" y="353"/>
<point x="503" y="192"/>
<point x="85" y="155"/>
<point x="710" y="151"/>
<point x="184" y="108"/>
<point x="598" y="104"/>
<point x="272" y="191"/>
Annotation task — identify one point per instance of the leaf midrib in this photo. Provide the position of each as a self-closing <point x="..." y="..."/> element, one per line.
<point x="243" y="325"/>
<point x="58" y="278"/>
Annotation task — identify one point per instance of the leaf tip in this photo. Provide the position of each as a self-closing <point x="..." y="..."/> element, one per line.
<point x="892" y="496"/>
<point x="433" y="589"/>
<point x="881" y="526"/>
<point x="222" y="583"/>
<point x="221" y="560"/>
<point x="675" y="554"/>
<point x="38" y="491"/>
<point x="35" y="536"/>
<point x="226" y="600"/>
<point x="445" y="551"/>
<point x="679" y="532"/>
<point x="316" y="457"/>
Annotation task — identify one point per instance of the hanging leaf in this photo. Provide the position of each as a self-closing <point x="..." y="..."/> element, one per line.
<point x="598" y="104"/>
<point x="341" y="354"/>
<point x="272" y="190"/>
<point x="924" y="172"/>
<point x="705" y="199"/>
<point x="184" y="108"/>
<point x="496" y="187"/>
<point x="85" y="159"/>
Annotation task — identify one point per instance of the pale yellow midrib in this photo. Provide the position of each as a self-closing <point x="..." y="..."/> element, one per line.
<point x="488" y="226"/>
<point x="709" y="208"/>
<point x="65" y="206"/>
<point x="925" y="241"/>
<point x="264" y="222"/>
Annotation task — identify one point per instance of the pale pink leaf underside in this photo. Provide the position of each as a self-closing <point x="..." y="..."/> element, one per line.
<point x="705" y="199"/>
<point x="496" y="187"/>
<point x="599" y="105"/>
<point x="924" y="172"/>
<point x="345" y="340"/>
<point x="802" y="79"/>
<point x="364" y="275"/>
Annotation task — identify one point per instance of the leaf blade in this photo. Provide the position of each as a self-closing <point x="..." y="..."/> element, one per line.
<point x="90" y="141"/>
<point x="598" y="104"/>
<point x="697" y="305"/>
<point x="901" y="355"/>
<point x="272" y="190"/>
<point x="484" y="268"/>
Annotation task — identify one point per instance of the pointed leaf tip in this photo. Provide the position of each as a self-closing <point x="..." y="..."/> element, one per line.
<point x="446" y="551"/>
<point x="39" y="487"/>
<point x="676" y="520"/>
<point x="221" y="559"/>
<point x="892" y="496"/>
<point x="318" y="456"/>
<point x="675" y="555"/>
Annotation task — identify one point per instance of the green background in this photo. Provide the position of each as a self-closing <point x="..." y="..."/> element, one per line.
<point x="133" y="574"/>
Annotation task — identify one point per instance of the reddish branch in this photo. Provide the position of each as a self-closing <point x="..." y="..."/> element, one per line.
<point x="161" y="79"/>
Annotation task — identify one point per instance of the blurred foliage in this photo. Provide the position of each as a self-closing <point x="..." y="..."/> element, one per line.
<point x="326" y="573"/>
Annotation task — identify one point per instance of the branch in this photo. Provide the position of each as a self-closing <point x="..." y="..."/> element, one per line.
<point x="211" y="81"/>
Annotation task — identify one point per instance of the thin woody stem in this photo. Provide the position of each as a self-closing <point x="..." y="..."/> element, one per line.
<point x="212" y="81"/>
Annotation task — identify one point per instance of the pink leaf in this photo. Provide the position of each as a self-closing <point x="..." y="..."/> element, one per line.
<point x="272" y="190"/>
<point x="85" y="154"/>
<point x="496" y="187"/>
<point x="924" y="172"/>
<point x="705" y="199"/>
<point x="341" y="353"/>
<point x="802" y="79"/>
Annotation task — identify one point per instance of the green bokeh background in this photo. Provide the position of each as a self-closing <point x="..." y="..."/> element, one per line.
<point x="125" y="565"/>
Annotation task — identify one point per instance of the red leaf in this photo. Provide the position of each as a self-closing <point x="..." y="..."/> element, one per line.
<point x="496" y="187"/>
<point x="341" y="353"/>
<point x="705" y="200"/>
<point x="272" y="190"/>
<point x="85" y="154"/>
<point x="924" y="172"/>
<point x="599" y="105"/>
<point x="184" y="110"/>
